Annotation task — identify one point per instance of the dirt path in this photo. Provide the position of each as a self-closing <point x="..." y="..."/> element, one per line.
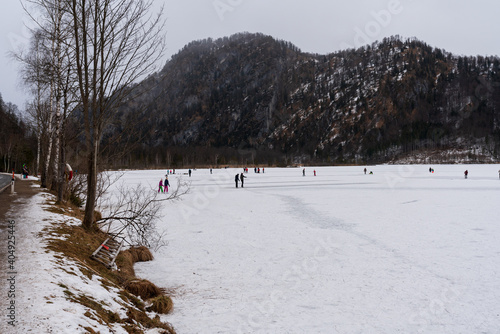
<point x="9" y="206"/>
<point x="23" y="190"/>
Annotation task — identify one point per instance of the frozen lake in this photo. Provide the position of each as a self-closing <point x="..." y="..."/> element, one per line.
<point x="402" y="250"/>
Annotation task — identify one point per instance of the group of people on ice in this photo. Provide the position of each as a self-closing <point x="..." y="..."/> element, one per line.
<point x="304" y="172"/>
<point x="163" y="186"/>
<point x="239" y="177"/>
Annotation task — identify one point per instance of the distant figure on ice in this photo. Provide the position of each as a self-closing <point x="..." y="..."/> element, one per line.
<point x="304" y="172"/>
<point x="242" y="177"/>
<point x="466" y="173"/>
<point x="262" y="170"/>
<point x="236" y="179"/>
<point x="166" y="184"/>
<point x="315" y="172"/>
<point x="25" y="172"/>
<point x="430" y="170"/>
<point x="371" y="172"/>
<point x="365" y="170"/>
<point x="210" y="170"/>
<point x="499" y="173"/>
<point x="160" y="186"/>
<point x="189" y="172"/>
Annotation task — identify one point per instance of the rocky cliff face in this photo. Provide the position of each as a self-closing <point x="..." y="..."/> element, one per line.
<point x="252" y="92"/>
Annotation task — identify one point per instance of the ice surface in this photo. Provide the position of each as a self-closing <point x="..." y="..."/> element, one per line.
<point x="402" y="250"/>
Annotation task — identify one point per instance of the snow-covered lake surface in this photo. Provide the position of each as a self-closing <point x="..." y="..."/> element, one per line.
<point x="402" y="250"/>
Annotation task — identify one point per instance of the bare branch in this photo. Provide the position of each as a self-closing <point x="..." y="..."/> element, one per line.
<point x="133" y="213"/>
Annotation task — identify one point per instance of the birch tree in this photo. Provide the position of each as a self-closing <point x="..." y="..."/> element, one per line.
<point x="35" y="67"/>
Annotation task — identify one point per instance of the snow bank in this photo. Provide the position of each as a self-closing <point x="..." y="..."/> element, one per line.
<point x="44" y="280"/>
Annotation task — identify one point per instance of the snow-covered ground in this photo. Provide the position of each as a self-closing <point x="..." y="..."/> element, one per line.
<point x="35" y="283"/>
<point x="402" y="250"/>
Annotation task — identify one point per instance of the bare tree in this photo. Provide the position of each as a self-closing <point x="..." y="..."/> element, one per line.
<point x="47" y="70"/>
<point x="116" y="42"/>
<point x="112" y="44"/>
<point x="35" y="62"/>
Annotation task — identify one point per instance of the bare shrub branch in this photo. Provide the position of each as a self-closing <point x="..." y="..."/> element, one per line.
<point x="133" y="213"/>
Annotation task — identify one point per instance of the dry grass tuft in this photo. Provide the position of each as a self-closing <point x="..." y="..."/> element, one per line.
<point x="161" y="304"/>
<point x="143" y="288"/>
<point x="125" y="263"/>
<point x="141" y="254"/>
<point x="97" y="216"/>
<point x="134" y="316"/>
<point x="126" y="259"/>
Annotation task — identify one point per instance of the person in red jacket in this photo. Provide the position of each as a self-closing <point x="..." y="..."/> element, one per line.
<point x="466" y="173"/>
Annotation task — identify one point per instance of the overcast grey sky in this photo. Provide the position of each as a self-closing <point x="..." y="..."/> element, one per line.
<point x="321" y="26"/>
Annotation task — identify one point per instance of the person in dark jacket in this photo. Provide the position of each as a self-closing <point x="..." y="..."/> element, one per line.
<point x="242" y="177"/>
<point x="166" y="184"/>
<point x="236" y="179"/>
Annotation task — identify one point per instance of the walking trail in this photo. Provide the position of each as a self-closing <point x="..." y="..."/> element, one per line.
<point x="10" y="204"/>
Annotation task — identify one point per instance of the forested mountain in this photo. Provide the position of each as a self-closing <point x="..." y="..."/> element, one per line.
<point x="250" y="98"/>
<point x="17" y="141"/>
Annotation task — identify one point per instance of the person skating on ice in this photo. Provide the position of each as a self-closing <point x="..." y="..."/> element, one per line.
<point x="242" y="177"/>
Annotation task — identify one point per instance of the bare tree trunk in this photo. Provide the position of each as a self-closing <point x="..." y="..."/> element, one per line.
<point x="49" y="153"/>
<point x="60" y="176"/>
<point x="89" y="222"/>
<point x="38" y="150"/>
<point x="57" y="150"/>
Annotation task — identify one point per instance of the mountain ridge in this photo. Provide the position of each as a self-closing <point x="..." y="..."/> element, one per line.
<point x="252" y="98"/>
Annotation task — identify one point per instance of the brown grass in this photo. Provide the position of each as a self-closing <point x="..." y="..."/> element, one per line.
<point x="143" y="288"/>
<point x="125" y="264"/>
<point x="126" y="259"/>
<point x="161" y="304"/>
<point x="140" y="317"/>
<point x="78" y="244"/>
<point x="141" y="254"/>
<point x="97" y="215"/>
